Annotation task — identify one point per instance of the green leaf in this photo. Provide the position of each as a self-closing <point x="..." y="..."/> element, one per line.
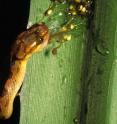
<point x="51" y="90"/>
<point x="78" y="84"/>
<point x="100" y="84"/>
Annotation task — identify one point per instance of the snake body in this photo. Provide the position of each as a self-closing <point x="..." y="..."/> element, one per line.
<point x="30" y="41"/>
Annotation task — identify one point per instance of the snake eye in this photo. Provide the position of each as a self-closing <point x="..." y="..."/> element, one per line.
<point x="39" y="40"/>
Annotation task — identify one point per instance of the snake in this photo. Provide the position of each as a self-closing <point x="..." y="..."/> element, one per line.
<point x="30" y="41"/>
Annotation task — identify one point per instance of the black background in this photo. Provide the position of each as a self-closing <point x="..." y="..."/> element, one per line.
<point x="13" y="20"/>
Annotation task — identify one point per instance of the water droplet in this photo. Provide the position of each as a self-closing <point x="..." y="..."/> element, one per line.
<point x="61" y="63"/>
<point x="107" y="52"/>
<point x="64" y="79"/>
<point x="60" y="13"/>
<point x="54" y="51"/>
<point x="102" y="49"/>
<point x="76" y="120"/>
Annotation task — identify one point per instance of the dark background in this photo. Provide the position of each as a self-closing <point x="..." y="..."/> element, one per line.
<point x="13" y="20"/>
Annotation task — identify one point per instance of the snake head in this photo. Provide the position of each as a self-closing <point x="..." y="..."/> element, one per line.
<point x="30" y="41"/>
